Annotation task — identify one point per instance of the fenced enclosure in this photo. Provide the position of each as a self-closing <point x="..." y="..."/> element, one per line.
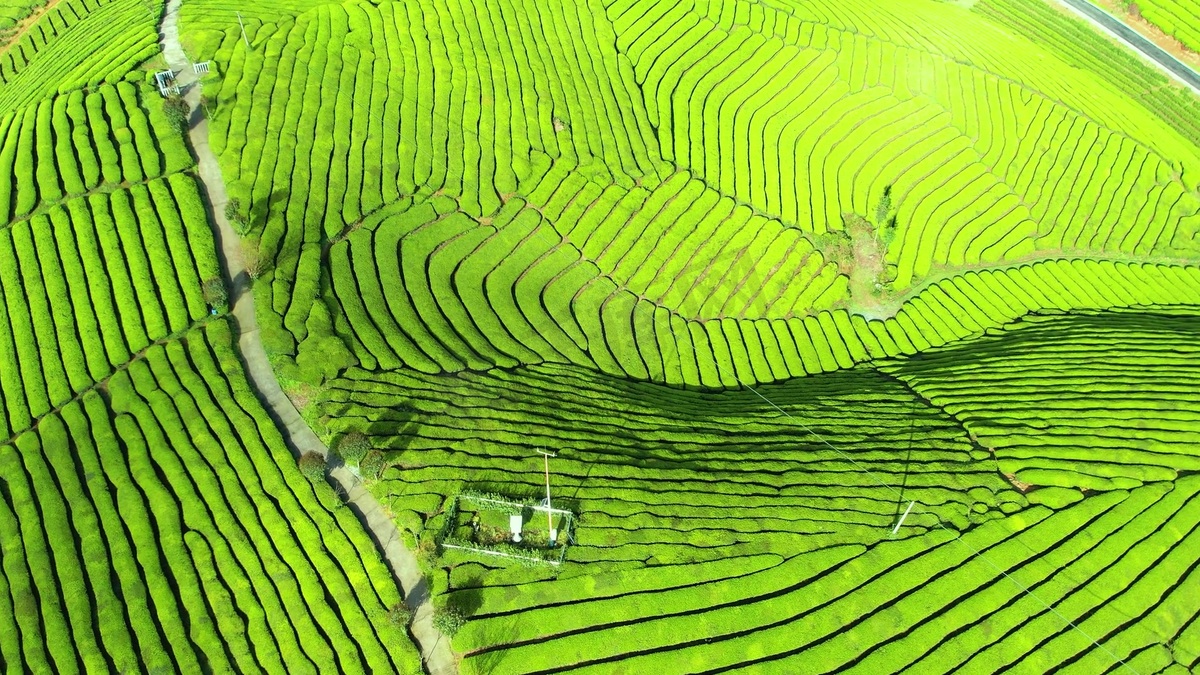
<point x="528" y="531"/>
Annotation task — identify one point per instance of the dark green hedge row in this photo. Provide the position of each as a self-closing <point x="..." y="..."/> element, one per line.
<point x="1099" y="400"/>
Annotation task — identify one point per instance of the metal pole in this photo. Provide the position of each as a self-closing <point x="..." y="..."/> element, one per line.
<point x="897" y="527"/>
<point x="549" y="515"/>
<point x="243" y="27"/>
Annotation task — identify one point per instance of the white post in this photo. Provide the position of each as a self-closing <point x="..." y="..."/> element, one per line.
<point x="897" y="527"/>
<point x="243" y="27"/>
<point x="549" y="508"/>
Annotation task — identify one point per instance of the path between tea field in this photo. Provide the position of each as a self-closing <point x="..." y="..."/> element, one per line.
<point x="1170" y="65"/>
<point x="435" y="648"/>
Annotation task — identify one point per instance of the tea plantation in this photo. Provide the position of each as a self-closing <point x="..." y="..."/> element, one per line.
<point x="151" y="515"/>
<point x="865" y="337"/>
<point x="1179" y="19"/>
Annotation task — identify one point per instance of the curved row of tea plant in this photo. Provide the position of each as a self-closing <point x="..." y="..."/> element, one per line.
<point x="1095" y="401"/>
<point x="684" y="246"/>
<point x="152" y="517"/>
<point x="561" y="231"/>
<point x="672" y="475"/>
<point x="514" y="290"/>
<point x="985" y="158"/>
<point x="925" y="604"/>
<point x="480" y="221"/>
<point x="205" y="24"/>
<point x="713" y="532"/>
<point x="93" y="281"/>
<point x="1079" y="44"/>
<point x="13" y="11"/>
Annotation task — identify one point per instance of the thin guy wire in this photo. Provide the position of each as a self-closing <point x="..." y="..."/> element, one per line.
<point x="957" y="535"/>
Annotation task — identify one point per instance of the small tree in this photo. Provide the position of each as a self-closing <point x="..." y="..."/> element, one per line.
<point x="400" y="615"/>
<point x="215" y="294"/>
<point x="252" y="259"/>
<point x="236" y="216"/>
<point x="178" y="112"/>
<point x="427" y="551"/>
<point x="448" y="620"/>
<point x="883" y="210"/>
<point x="354" y="446"/>
<point x="887" y="233"/>
<point x="312" y="465"/>
<point x="372" y="464"/>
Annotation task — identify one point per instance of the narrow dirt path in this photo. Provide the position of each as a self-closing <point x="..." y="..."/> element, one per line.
<point x="435" y="648"/>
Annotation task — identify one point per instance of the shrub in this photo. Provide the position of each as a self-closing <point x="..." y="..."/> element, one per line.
<point x="835" y="245"/>
<point x="354" y="446"/>
<point x="312" y="465"/>
<point x="448" y="620"/>
<point x="400" y="615"/>
<point x="178" y="112"/>
<point x="372" y="464"/>
<point x="236" y="216"/>
<point x="215" y="294"/>
<point x="883" y="211"/>
<point x="252" y="260"/>
<point x="427" y="552"/>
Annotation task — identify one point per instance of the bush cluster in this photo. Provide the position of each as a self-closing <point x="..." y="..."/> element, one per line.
<point x="215" y="293"/>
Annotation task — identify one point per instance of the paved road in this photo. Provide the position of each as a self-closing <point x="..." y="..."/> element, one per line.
<point x="435" y="649"/>
<point x="1170" y="65"/>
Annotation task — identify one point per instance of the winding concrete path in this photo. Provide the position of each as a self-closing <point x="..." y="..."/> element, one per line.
<point x="1158" y="57"/>
<point x="434" y="647"/>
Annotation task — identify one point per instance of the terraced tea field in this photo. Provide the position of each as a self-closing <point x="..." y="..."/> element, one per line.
<point x="151" y="515"/>
<point x="762" y="275"/>
<point x="864" y="337"/>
